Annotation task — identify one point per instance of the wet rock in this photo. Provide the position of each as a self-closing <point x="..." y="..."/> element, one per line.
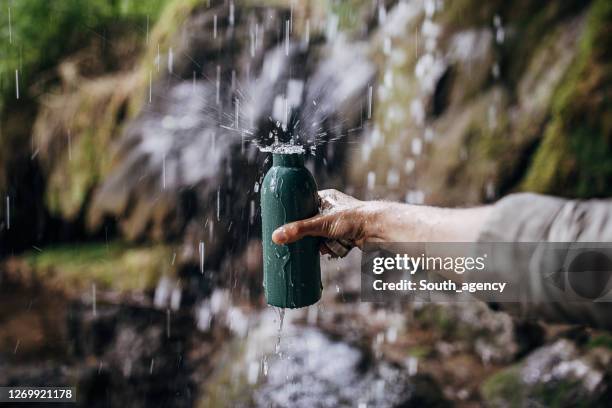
<point x="492" y="336"/>
<point x="139" y="355"/>
<point x="187" y="165"/>
<point x="557" y="375"/>
<point x="453" y="126"/>
<point x="302" y="367"/>
<point x="471" y="55"/>
<point x="119" y="355"/>
<point x="315" y="371"/>
<point x="577" y="133"/>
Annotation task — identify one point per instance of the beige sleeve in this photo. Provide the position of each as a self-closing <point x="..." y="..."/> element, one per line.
<point x="530" y="217"/>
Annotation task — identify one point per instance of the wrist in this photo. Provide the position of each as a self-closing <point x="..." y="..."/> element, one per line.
<point x="378" y="225"/>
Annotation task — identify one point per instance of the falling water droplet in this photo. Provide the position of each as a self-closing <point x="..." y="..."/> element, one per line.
<point x="370" y="93"/>
<point x="219" y="204"/>
<point x="252" y="40"/>
<point x="94" y="303"/>
<point x="281" y="319"/>
<point x="168" y="323"/>
<point x="170" y="60"/>
<point x="8" y="212"/>
<point x="17" y="83"/>
<point x="287" y="29"/>
<point x="237" y="113"/>
<point x="201" y="251"/>
<point x="150" y="86"/>
<point x="307" y="33"/>
<point x="371" y="180"/>
<point x="252" y="212"/>
<point x="158" y="58"/>
<point x="218" y="84"/>
<point x="231" y="13"/>
<point x="10" y="26"/>
<point x="164" y="172"/>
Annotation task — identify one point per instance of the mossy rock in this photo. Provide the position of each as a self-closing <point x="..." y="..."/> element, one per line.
<point x="600" y="340"/>
<point x="75" y="128"/>
<point x="113" y="266"/>
<point x="575" y="156"/>
<point x="504" y="388"/>
<point x="507" y="389"/>
<point x="561" y="374"/>
<point x="73" y="133"/>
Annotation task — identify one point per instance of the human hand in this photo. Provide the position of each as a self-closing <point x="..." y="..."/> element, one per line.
<point x="346" y="219"/>
<point x="342" y="217"/>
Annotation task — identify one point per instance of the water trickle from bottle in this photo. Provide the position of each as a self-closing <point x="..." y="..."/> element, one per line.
<point x="281" y="319"/>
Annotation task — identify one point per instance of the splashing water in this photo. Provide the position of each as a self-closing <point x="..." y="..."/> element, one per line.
<point x="283" y="149"/>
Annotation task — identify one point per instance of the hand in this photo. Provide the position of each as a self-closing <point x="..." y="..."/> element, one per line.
<point x="342" y="217"/>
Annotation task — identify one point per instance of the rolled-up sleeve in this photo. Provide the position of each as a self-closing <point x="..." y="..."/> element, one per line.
<point x="530" y="217"/>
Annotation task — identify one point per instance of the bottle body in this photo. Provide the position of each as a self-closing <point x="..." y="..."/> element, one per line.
<point x="292" y="273"/>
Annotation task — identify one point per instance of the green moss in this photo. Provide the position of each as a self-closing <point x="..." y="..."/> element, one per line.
<point x="228" y="382"/>
<point x="439" y="318"/>
<point x="419" y="352"/>
<point x="350" y="13"/>
<point x="560" y="394"/>
<point x="601" y="340"/>
<point x="112" y="266"/>
<point x="169" y="23"/>
<point x="469" y="13"/>
<point x="92" y="116"/>
<point x="41" y="32"/>
<point x="575" y="156"/>
<point x="76" y="131"/>
<point x="504" y="388"/>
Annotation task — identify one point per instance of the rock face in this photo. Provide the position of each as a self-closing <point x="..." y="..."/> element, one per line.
<point x="454" y="103"/>
<point x="190" y="156"/>
<point x="557" y="375"/>
<point x="141" y="354"/>
<point x="115" y="355"/>
<point x="469" y="103"/>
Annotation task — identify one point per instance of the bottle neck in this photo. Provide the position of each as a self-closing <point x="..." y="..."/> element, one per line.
<point x="288" y="160"/>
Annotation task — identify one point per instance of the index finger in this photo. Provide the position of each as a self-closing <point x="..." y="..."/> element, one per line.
<point x="294" y="231"/>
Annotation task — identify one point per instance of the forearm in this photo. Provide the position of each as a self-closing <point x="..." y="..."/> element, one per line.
<point x="395" y="222"/>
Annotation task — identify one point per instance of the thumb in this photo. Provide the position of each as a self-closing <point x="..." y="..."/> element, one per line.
<point x="315" y="226"/>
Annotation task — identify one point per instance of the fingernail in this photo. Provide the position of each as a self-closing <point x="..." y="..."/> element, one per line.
<point x="279" y="235"/>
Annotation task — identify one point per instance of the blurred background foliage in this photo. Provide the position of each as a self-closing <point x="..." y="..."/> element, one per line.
<point x="472" y="100"/>
<point x="35" y="34"/>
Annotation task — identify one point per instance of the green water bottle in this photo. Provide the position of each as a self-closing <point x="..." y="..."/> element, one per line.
<point x="292" y="274"/>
